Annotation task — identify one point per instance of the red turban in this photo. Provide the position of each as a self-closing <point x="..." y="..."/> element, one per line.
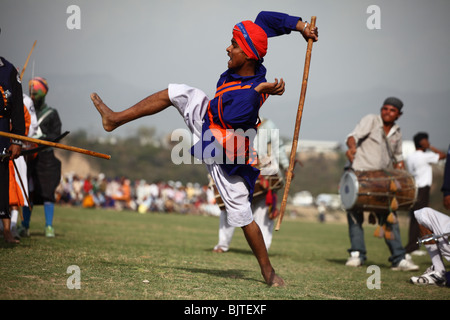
<point x="251" y="38"/>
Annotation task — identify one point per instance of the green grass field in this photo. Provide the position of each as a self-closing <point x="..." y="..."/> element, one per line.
<point x="131" y="256"/>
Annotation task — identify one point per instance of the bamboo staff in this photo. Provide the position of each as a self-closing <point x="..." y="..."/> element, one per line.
<point x="55" y="145"/>
<point x="26" y="62"/>
<point x="297" y="127"/>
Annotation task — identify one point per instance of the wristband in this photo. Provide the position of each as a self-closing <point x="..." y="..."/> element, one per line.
<point x="306" y="24"/>
<point x="16" y="141"/>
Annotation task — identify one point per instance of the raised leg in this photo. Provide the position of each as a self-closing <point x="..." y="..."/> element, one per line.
<point x="149" y="106"/>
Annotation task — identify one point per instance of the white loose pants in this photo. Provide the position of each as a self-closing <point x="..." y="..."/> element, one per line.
<point x="438" y="223"/>
<point x="192" y="104"/>
<point x="261" y="217"/>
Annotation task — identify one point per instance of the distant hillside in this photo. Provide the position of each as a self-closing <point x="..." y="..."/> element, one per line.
<point x="317" y="172"/>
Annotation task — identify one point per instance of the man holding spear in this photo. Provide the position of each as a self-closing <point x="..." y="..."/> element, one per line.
<point x="216" y="123"/>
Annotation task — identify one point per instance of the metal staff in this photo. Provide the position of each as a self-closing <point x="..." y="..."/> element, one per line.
<point x="55" y="145"/>
<point x="297" y="127"/>
<point x="432" y="237"/>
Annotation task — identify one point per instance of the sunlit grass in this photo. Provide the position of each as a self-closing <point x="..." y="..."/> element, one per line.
<point x="156" y="256"/>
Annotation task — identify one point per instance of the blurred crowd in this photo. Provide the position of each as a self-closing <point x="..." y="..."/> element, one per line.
<point x="121" y="193"/>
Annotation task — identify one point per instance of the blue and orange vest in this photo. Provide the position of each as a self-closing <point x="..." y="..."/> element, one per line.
<point x="230" y="125"/>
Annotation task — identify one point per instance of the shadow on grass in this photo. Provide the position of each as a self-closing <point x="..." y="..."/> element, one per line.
<point x="231" y="273"/>
<point x="243" y="252"/>
<point x="25" y="241"/>
<point x="338" y="261"/>
<point x="232" y="250"/>
<point x="7" y="245"/>
<point x="366" y="264"/>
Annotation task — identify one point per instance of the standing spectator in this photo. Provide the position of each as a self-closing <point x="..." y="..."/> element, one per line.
<point x="76" y="190"/>
<point x="419" y="165"/>
<point x="45" y="169"/>
<point x="446" y="185"/>
<point x="12" y="120"/>
<point x="23" y="166"/>
<point x="18" y="181"/>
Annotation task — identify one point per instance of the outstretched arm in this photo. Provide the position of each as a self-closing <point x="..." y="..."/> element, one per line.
<point x="277" y="24"/>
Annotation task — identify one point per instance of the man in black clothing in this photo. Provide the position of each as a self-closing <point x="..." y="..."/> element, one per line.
<point x="12" y="120"/>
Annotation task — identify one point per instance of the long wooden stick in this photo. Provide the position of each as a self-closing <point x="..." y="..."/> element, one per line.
<point x="26" y="62"/>
<point x="55" y="145"/>
<point x="297" y="128"/>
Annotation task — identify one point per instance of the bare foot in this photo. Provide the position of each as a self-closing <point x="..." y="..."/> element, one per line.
<point x="277" y="281"/>
<point x="9" y="238"/>
<point x="105" y="112"/>
<point x="274" y="280"/>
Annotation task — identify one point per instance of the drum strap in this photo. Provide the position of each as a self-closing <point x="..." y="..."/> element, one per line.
<point x="389" y="149"/>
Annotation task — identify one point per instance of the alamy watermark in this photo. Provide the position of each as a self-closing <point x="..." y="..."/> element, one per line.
<point x="74" y="280"/>
<point x="374" y="20"/>
<point x="73" y="22"/>
<point x="239" y="147"/>
<point x="374" y="281"/>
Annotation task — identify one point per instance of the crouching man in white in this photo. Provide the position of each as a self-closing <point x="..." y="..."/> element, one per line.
<point x="432" y="222"/>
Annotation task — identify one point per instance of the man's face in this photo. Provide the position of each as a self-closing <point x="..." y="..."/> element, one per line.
<point x="389" y="113"/>
<point x="236" y="54"/>
<point x="424" y="143"/>
<point x="38" y="96"/>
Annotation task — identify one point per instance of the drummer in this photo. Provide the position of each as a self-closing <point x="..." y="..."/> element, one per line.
<point x="376" y="144"/>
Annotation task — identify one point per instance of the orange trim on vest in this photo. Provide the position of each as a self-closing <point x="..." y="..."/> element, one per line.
<point x="231" y="89"/>
<point x="226" y="137"/>
<point x="228" y="84"/>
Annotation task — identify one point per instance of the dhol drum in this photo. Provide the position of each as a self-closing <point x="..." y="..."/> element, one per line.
<point x="262" y="186"/>
<point x="378" y="190"/>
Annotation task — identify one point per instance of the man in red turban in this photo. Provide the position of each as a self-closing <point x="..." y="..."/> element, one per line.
<point x="254" y="46"/>
<point x="215" y="123"/>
